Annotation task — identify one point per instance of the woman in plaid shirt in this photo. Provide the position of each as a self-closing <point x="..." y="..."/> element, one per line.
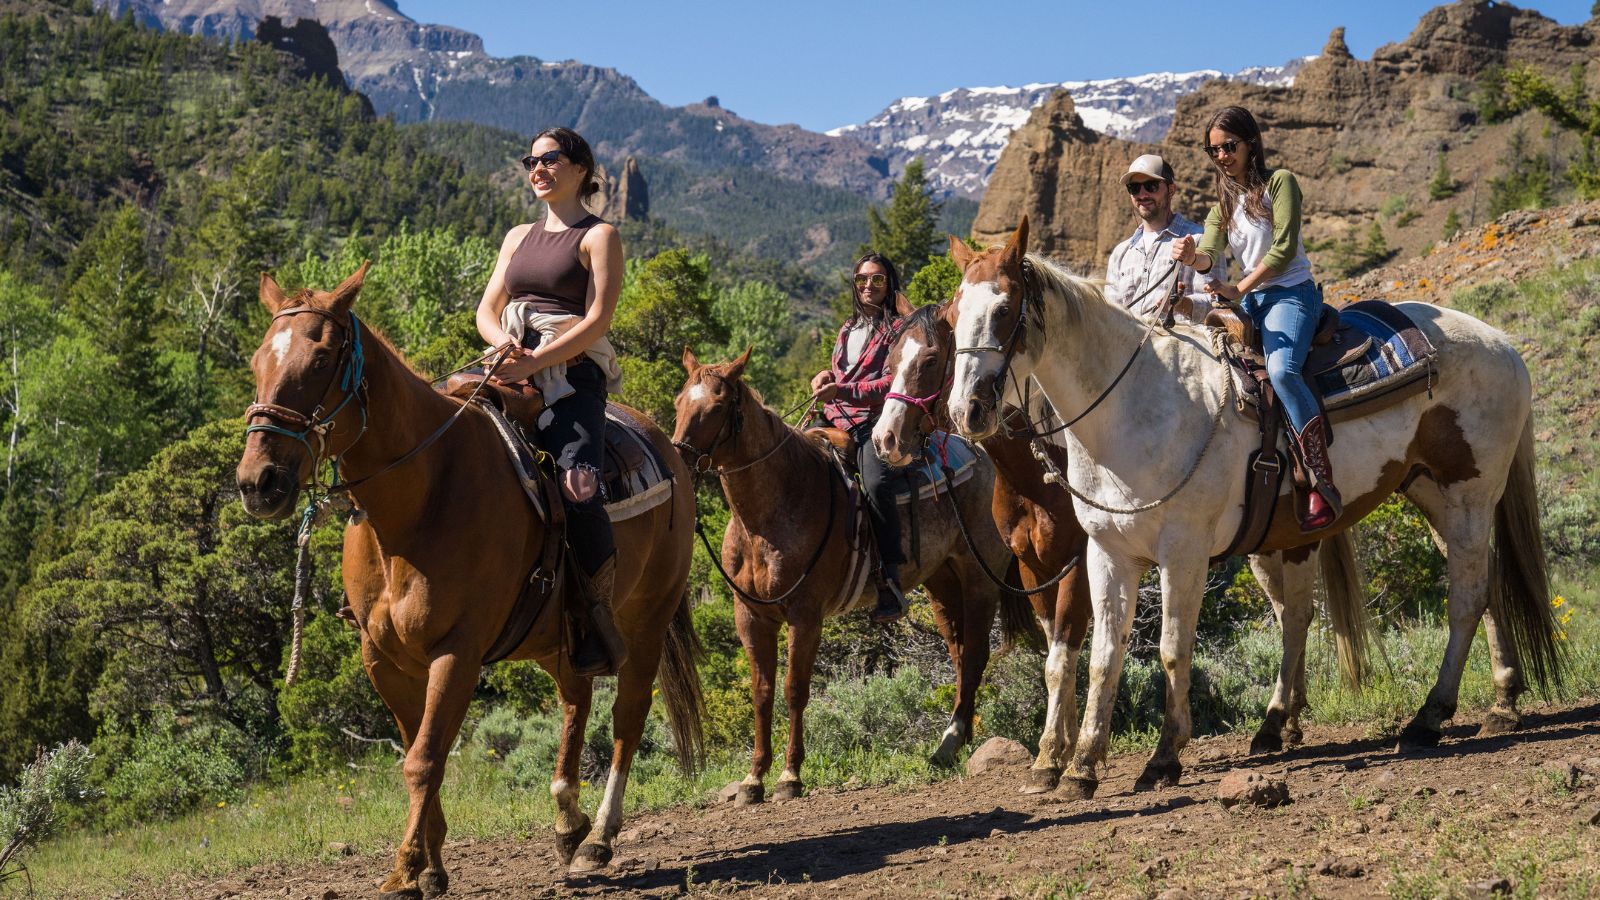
<point x="851" y="392"/>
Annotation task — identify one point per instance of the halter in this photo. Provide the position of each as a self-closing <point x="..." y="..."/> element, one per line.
<point x="349" y="376"/>
<point x="733" y="424"/>
<point x="1030" y="283"/>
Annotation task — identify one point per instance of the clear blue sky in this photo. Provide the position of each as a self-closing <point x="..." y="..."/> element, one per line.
<point x="824" y="63"/>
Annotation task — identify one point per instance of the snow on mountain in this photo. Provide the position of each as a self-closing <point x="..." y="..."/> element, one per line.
<point x="959" y="134"/>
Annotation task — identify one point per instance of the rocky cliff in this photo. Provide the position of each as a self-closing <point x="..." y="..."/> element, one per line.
<point x="1365" y="137"/>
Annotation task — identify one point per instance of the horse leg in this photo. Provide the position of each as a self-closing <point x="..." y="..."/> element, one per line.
<point x="404" y="695"/>
<point x="1114" y="587"/>
<point x="419" y="869"/>
<point x="572" y="824"/>
<point x="1288" y="586"/>
<point x="1183" y="586"/>
<point x="1464" y="526"/>
<point x="966" y="637"/>
<point x="760" y="639"/>
<point x="805" y="635"/>
<point x="1067" y="628"/>
<point x="628" y="717"/>
<point x="1503" y="717"/>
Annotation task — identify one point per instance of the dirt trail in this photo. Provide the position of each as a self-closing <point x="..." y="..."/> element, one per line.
<point x="1362" y="822"/>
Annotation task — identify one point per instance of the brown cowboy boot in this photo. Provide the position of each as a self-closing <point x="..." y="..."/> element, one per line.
<point x="600" y="648"/>
<point x="891" y="603"/>
<point x="1323" y="505"/>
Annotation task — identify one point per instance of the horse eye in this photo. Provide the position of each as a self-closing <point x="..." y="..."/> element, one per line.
<point x="319" y="361"/>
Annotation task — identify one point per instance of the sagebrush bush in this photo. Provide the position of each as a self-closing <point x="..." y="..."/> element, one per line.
<point x="1011" y="698"/>
<point x="30" y="809"/>
<point x="894" y="713"/>
<point x="173" y="767"/>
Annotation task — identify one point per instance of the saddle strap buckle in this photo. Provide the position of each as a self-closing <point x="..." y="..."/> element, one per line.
<point x="1267" y="463"/>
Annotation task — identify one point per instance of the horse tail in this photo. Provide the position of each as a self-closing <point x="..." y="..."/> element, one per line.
<point x="1519" y="584"/>
<point x="1354" y="631"/>
<point x="1018" y="625"/>
<point x="680" y="687"/>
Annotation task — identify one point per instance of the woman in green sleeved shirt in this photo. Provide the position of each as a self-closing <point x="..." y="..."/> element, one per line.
<point x="1258" y="219"/>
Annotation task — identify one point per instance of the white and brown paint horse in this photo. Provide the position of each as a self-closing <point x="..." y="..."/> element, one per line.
<point x="1159" y="472"/>
<point x="1037" y="520"/>
<point x="793" y="560"/>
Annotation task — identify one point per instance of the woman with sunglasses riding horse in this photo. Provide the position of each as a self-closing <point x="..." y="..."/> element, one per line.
<point x="852" y="391"/>
<point x="1257" y="217"/>
<point x="548" y="305"/>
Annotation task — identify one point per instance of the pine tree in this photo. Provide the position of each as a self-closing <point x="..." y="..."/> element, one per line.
<point x="1443" y="184"/>
<point x="907" y="231"/>
<point x="1452" y="225"/>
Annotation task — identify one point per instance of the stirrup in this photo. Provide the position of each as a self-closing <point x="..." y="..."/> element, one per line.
<point x="891" y="604"/>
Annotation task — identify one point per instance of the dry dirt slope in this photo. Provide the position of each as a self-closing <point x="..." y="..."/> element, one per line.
<point x="1362" y="822"/>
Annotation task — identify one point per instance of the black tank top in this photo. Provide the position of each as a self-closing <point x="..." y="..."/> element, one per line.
<point x="547" y="271"/>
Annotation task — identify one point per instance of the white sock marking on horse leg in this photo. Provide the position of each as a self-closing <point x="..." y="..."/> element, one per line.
<point x="610" y="814"/>
<point x="789" y="775"/>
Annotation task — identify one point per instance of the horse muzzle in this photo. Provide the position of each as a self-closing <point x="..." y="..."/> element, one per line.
<point x="974" y="415"/>
<point x="268" y="492"/>
<point x="891" y="449"/>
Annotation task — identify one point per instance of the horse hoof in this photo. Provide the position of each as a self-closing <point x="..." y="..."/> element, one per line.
<point x="1265" y="742"/>
<point x="1500" y="722"/>
<point x="1293" y="737"/>
<point x="590" y="858"/>
<point x="943" y="760"/>
<point x="1417" y="736"/>
<point x="410" y="893"/>
<point x="788" y="790"/>
<point x="567" y="843"/>
<point x="1159" y="775"/>
<point x="433" y="882"/>
<point x="750" y="794"/>
<point x="1074" y="788"/>
<point x="1041" y="781"/>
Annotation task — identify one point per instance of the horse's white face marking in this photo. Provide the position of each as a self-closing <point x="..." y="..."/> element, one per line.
<point x="975" y="327"/>
<point x="280" y="345"/>
<point x="892" y="420"/>
<point x="908" y="350"/>
<point x="698" y="393"/>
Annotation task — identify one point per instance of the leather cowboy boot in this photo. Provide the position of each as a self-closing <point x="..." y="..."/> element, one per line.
<point x="1322" y="501"/>
<point x="891" y="601"/>
<point x="600" y="648"/>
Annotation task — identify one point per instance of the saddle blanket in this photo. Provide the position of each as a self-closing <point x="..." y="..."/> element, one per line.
<point x="636" y="478"/>
<point x="928" y="476"/>
<point x="1399" y="356"/>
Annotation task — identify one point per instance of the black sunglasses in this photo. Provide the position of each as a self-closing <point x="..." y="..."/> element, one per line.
<point x="530" y="162"/>
<point x="1139" y="187"/>
<point x="1231" y="147"/>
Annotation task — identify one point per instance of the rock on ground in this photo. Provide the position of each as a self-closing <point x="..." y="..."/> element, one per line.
<point x="1252" y="789"/>
<point x="997" y="753"/>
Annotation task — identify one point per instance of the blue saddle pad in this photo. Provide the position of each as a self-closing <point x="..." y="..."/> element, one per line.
<point x="943" y="449"/>
<point x="1398" y="355"/>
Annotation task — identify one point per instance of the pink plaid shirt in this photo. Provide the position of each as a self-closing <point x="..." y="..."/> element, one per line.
<point x="863" y="385"/>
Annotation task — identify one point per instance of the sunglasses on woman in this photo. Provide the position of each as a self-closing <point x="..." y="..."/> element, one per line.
<point x="1215" y="150"/>
<point x="548" y="160"/>
<point x="876" y="279"/>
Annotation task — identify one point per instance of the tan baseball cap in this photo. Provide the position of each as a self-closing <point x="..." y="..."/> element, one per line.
<point x="1149" y="164"/>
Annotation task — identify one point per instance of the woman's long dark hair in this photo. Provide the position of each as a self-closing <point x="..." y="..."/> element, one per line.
<point x="1252" y="191"/>
<point x="576" y="149"/>
<point x="892" y="277"/>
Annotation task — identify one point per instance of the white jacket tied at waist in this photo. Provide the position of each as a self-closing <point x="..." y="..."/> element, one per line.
<point x="520" y="317"/>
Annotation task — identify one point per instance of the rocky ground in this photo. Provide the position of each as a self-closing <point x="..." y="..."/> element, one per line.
<point x="1476" y="817"/>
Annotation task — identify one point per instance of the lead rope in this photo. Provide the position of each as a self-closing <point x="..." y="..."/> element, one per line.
<point x="314" y="512"/>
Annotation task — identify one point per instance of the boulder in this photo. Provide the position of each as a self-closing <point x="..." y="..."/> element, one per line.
<point x="1252" y="789"/>
<point x="997" y="753"/>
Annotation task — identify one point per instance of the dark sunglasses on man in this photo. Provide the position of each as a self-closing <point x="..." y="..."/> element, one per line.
<point x="548" y="160"/>
<point x="1135" y="188"/>
<point x="1230" y="147"/>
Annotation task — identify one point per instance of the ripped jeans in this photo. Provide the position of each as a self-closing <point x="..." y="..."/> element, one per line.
<point x="573" y="431"/>
<point x="1287" y="318"/>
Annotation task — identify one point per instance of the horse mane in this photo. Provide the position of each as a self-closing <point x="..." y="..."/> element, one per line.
<point x="1074" y="290"/>
<point x="308" y="297"/>
<point x="812" y="441"/>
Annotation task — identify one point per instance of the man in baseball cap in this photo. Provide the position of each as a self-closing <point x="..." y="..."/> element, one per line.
<point x="1138" y="274"/>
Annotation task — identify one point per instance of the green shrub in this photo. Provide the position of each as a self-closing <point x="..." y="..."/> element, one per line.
<point x="1405" y="570"/>
<point x="934" y="283"/>
<point x="29" y="811"/>
<point x="172" y="767"/>
<point x="521" y="685"/>
<point x="1443" y="184"/>
<point x="894" y="713"/>
<point x="1011" y="699"/>
<point x="331" y="695"/>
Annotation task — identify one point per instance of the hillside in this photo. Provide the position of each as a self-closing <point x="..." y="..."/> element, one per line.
<point x="960" y="133"/>
<point x="1365" y="137"/>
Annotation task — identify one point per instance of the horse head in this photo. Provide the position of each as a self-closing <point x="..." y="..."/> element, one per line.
<point x="920" y="360"/>
<point x="709" y="409"/>
<point x="990" y="326"/>
<point x="309" y="392"/>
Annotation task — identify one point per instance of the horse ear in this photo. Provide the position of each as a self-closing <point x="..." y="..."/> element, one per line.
<point x="1017" y="245"/>
<point x="345" y="294"/>
<point x="690" y="363"/>
<point x="271" y="295"/>
<point x="960" y="253"/>
<point x="736" y="368"/>
<point x="945" y="315"/>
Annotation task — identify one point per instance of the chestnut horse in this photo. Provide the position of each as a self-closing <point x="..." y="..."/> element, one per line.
<point x="437" y="554"/>
<point x="792" y="558"/>
<point x="1038" y="522"/>
<point x="1158" y="475"/>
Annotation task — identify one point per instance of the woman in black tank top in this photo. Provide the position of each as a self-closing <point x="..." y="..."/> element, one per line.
<point x="567" y="263"/>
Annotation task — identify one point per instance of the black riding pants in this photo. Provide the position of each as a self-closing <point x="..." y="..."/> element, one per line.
<point x="879" y="481"/>
<point x="573" y="431"/>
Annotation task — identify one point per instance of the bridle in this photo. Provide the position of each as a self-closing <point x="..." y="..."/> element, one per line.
<point x="1030" y="285"/>
<point x="350" y="377"/>
<point x="702" y="459"/>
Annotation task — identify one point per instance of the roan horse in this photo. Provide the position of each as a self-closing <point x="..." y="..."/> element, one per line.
<point x="438" y="553"/>
<point x="792" y="558"/>
<point x="1158" y="473"/>
<point x="1037" y="520"/>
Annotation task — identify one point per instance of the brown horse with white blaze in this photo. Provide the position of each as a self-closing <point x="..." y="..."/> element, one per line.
<point x="435" y="559"/>
<point x="793" y="560"/>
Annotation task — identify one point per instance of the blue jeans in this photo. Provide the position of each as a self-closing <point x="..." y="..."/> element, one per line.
<point x="1287" y="319"/>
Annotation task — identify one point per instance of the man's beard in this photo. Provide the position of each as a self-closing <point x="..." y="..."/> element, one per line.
<point x="1158" y="213"/>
